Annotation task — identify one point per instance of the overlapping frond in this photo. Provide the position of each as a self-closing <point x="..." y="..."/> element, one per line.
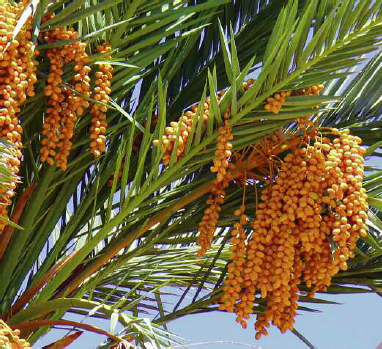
<point x="118" y="233"/>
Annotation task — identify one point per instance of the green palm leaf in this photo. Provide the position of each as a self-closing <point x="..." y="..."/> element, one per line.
<point x="121" y="251"/>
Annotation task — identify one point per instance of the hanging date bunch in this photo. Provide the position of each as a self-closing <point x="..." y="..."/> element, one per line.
<point x="102" y="91"/>
<point x="68" y="99"/>
<point x="311" y="214"/>
<point x="222" y="168"/>
<point x="11" y="338"/>
<point x="181" y="129"/>
<point x="65" y="104"/>
<point x="17" y="79"/>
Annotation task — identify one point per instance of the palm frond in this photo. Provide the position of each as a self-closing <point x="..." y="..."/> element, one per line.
<point x="129" y="222"/>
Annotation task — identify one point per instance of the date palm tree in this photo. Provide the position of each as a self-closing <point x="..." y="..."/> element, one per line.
<point x="111" y="236"/>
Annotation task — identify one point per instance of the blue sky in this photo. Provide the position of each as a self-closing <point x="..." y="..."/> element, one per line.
<point x="355" y="324"/>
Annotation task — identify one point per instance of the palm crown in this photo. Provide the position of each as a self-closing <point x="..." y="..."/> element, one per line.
<point x="105" y="236"/>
